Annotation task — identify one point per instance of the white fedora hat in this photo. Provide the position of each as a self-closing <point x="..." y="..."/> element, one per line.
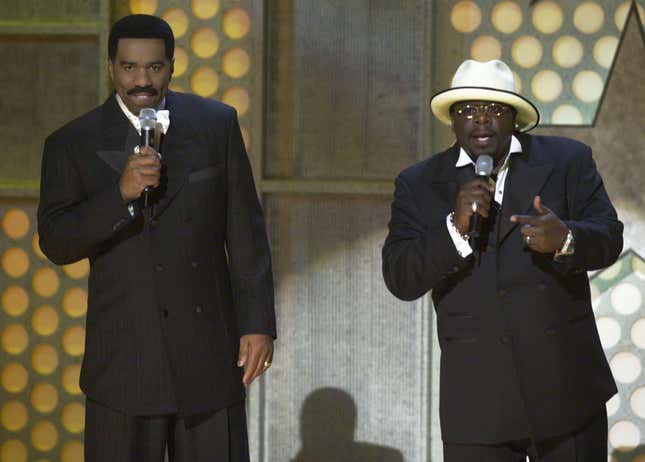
<point x="487" y="81"/>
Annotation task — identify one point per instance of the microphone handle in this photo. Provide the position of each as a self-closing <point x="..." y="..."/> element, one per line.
<point x="473" y="233"/>
<point x="147" y="139"/>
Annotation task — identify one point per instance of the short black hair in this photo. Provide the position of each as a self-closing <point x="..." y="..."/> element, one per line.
<point x="141" y="26"/>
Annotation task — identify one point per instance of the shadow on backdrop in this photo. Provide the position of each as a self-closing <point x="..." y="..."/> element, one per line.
<point x="635" y="455"/>
<point x="327" y="427"/>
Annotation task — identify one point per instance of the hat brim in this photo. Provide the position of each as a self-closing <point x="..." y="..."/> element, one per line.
<point x="527" y="114"/>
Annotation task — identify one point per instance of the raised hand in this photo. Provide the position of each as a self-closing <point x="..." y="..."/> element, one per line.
<point x="544" y="232"/>
<point x="477" y="191"/>
<point x="141" y="170"/>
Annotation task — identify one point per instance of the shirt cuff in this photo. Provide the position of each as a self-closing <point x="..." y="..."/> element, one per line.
<point x="461" y="244"/>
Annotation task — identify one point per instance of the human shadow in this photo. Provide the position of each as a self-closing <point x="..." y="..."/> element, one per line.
<point x="628" y="456"/>
<point x="327" y="427"/>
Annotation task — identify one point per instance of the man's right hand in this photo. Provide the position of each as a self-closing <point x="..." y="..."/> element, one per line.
<point x="141" y="170"/>
<point x="477" y="190"/>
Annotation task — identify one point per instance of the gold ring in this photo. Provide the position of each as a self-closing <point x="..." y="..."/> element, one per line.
<point x="475" y="206"/>
<point x="528" y="240"/>
<point x="267" y="364"/>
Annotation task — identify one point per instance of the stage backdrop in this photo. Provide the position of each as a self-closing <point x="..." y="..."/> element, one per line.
<point x="333" y="102"/>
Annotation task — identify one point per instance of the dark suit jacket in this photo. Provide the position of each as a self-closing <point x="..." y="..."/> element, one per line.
<point x="521" y="354"/>
<point x="172" y="289"/>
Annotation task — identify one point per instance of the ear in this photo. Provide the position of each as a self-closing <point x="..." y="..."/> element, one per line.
<point x="111" y="69"/>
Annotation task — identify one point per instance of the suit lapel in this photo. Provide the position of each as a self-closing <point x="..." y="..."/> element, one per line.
<point x="443" y="181"/>
<point x="118" y="136"/>
<point x="527" y="174"/>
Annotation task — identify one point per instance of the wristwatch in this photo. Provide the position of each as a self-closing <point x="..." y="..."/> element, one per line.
<point x="568" y="247"/>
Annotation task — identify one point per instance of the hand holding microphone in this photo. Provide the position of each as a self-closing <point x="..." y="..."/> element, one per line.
<point x="474" y="199"/>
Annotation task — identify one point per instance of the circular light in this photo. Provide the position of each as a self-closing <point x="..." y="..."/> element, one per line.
<point x="466" y="16"/>
<point x="588" y="86"/>
<point x="44" y="397"/>
<point x="604" y="50"/>
<point x="74" y="341"/>
<point x="624" y="436"/>
<point x="626" y="298"/>
<point x="15" y="300"/>
<point x="13" y="451"/>
<point x="35" y="245"/>
<point x="181" y="62"/>
<point x="143" y="6"/>
<point x="626" y="367"/>
<point x="546" y="85"/>
<point x="567" y="115"/>
<point x="507" y="17"/>
<point x="638" y="267"/>
<point x="609" y="331"/>
<point x="613" y="405"/>
<point x="588" y="17"/>
<point x="75" y="302"/>
<point x="485" y="48"/>
<point x="236" y="63"/>
<point x="15" y="223"/>
<point x="637" y="402"/>
<point x="15" y="262"/>
<point x="73" y="417"/>
<point x="14" y="377"/>
<point x="567" y="51"/>
<point x="14" y="416"/>
<point x="204" y="81"/>
<point x="45" y="320"/>
<point x="526" y="51"/>
<point x="246" y="138"/>
<point x="44" y="359"/>
<point x="15" y="339"/>
<point x="238" y="98"/>
<point x="44" y="436"/>
<point x="45" y="282"/>
<point x="611" y="272"/>
<point x="236" y="23"/>
<point x="72" y="452"/>
<point x="547" y="17"/>
<point x="638" y="333"/>
<point x="620" y="16"/>
<point x="77" y="270"/>
<point x="178" y="21"/>
<point x="71" y="377"/>
<point x="205" y="9"/>
<point x="204" y="42"/>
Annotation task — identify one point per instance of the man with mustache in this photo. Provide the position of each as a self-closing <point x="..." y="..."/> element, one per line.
<point x="180" y="310"/>
<point x="523" y="372"/>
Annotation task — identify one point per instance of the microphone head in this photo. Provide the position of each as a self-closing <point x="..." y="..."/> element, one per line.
<point x="484" y="165"/>
<point x="148" y="118"/>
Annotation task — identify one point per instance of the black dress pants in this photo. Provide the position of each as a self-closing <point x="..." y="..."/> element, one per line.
<point x="588" y="444"/>
<point x="218" y="436"/>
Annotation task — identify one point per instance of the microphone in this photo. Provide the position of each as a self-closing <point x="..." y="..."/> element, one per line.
<point x="148" y="121"/>
<point x="483" y="169"/>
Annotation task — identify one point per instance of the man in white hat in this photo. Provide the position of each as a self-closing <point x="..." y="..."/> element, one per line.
<point x="523" y="372"/>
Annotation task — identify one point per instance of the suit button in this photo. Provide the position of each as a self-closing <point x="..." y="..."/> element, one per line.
<point x="198" y="309"/>
<point x="506" y="339"/>
<point x="502" y="292"/>
<point x="159" y="268"/>
<point x="194" y="264"/>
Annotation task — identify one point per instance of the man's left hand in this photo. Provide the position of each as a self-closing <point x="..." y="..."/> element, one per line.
<point x="544" y="232"/>
<point x="256" y="353"/>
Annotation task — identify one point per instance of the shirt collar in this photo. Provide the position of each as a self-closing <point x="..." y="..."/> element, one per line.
<point x="464" y="158"/>
<point x="163" y="115"/>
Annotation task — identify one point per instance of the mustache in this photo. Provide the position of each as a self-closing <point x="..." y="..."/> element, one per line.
<point x="151" y="91"/>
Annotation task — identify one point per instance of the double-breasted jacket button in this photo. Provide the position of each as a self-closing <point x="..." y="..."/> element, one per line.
<point x="159" y="267"/>
<point x="194" y="264"/>
<point x="198" y="309"/>
<point x="502" y="292"/>
<point x="506" y="339"/>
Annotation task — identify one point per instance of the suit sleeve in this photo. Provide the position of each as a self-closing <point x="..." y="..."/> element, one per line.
<point x="247" y="244"/>
<point x="416" y="256"/>
<point x="72" y="226"/>
<point x="597" y="232"/>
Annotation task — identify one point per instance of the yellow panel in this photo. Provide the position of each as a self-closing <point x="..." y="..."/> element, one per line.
<point x="236" y="62"/>
<point x="604" y="50"/>
<point x="204" y="81"/>
<point x="587" y="86"/>
<point x="78" y="270"/>
<point x="527" y="51"/>
<point x="205" y="9"/>
<point x="72" y="452"/>
<point x="44" y="359"/>
<point x="75" y="302"/>
<point x="588" y="17"/>
<point x="15" y="339"/>
<point x="13" y="451"/>
<point x="567" y="51"/>
<point x="74" y="340"/>
<point x="546" y="86"/>
<point x="15" y="300"/>
<point x="45" y="320"/>
<point x="14" y="377"/>
<point x="45" y="282"/>
<point x="466" y="16"/>
<point x="36" y="246"/>
<point x="236" y="23"/>
<point x="14" y="416"/>
<point x="15" y="223"/>
<point x="15" y="262"/>
<point x="178" y="21"/>
<point x="204" y="42"/>
<point x="238" y="98"/>
<point x="71" y="376"/>
<point x="547" y="17"/>
<point x="181" y="62"/>
<point x="44" y="397"/>
<point x="566" y="114"/>
<point x="246" y="137"/>
<point x="485" y="48"/>
<point x="44" y="435"/>
<point x="73" y="417"/>
<point x="507" y="17"/>
<point x="143" y="6"/>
